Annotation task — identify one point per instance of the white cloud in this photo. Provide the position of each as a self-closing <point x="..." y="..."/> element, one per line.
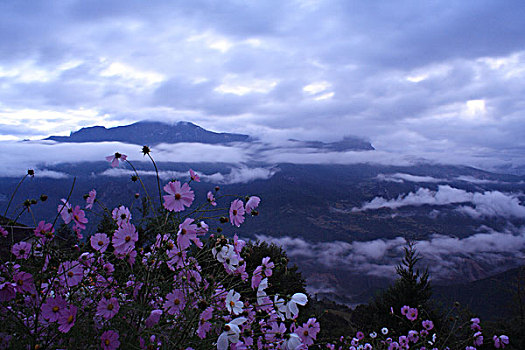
<point x="445" y="256"/>
<point x="241" y="174"/>
<point x="400" y="177"/>
<point x="488" y="203"/>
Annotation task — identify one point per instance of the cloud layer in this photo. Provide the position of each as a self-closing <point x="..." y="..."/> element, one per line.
<point x="448" y="258"/>
<point x="488" y="203"/>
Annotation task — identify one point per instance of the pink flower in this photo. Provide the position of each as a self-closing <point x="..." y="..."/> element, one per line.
<point x="237" y="212"/>
<point x="252" y="203"/>
<point x="428" y="324"/>
<point x="478" y="338"/>
<point x="211" y="198"/>
<point x="66" y="212"/>
<point x="413" y="336"/>
<point x="3" y="232"/>
<point x="412" y="314"/>
<point x="175" y="302"/>
<point x="109" y="340"/>
<point x="99" y="242"/>
<point x="52" y="309"/>
<point x="404" y="310"/>
<point x="24" y="282"/>
<point x="124" y="238"/>
<point x="21" y="250"/>
<point x="204" y="326"/>
<point x="501" y="341"/>
<point x="107" y="308"/>
<point x="79" y="217"/>
<point x="194" y="176"/>
<point x="403" y="341"/>
<point x="90" y="200"/>
<point x="308" y="331"/>
<point x="179" y="196"/>
<point x="114" y="159"/>
<point x="67" y="319"/>
<point x="44" y="230"/>
<point x="153" y="318"/>
<point x="121" y="215"/>
<point x="187" y="232"/>
<point x="70" y="273"/>
<point x="7" y="291"/>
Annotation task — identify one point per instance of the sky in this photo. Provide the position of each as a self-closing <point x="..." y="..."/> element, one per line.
<point x="437" y="80"/>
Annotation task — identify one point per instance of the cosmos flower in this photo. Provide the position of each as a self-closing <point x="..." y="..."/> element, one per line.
<point x="66" y="319"/>
<point x="230" y="333"/>
<point x="175" y="302"/>
<point x="3" y="232"/>
<point x="291" y="306"/>
<point x="107" y="308"/>
<point x="237" y="213"/>
<point x="233" y="304"/>
<point x="308" y="331"/>
<point x="90" y="200"/>
<point x="65" y="210"/>
<point x="21" y="250"/>
<point x="53" y="308"/>
<point x="114" y="159"/>
<point x="187" y="232"/>
<point x="252" y="203"/>
<point x="178" y="197"/>
<point x="211" y="198"/>
<point x="99" y="242"/>
<point x="412" y="314"/>
<point x="124" y="238"/>
<point x="44" y="230"/>
<point x="194" y="176"/>
<point x="24" y="282"/>
<point x="501" y="341"/>
<point x="70" y="273"/>
<point x="109" y="340"/>
<point x="153" y="318"/>
<point x="121" y="215"/>
<point x="79" y="217"/>
<point x="428" y="324"/>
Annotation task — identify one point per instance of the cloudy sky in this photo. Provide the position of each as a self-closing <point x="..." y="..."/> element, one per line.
<point x="442" y="80"/>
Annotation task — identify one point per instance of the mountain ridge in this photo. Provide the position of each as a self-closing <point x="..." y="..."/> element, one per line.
<point x="152" y="133"/>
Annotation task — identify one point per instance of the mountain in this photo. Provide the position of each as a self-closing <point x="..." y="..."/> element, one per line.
<point x="348" y="143"/>
<point x="151" y="133"/>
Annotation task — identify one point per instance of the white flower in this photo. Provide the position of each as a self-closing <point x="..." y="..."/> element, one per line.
<point x="279" y="306"/>
<point x="291" y="306"/>
<point x="261" y="294"/>
<point x="293" y="342"/>
<point x="227" y="255"/>
<point x="230" y="334"/>
<point x="233" y="304"/>
<point x="384" y="330"/>
<point x="373" y="335"/>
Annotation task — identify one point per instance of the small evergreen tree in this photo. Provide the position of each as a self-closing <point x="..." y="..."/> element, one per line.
<point x="412" y="288"/>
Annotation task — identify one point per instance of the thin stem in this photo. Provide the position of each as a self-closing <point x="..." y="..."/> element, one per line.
<point x="158" y="179"/>
<point x="13" y="195"/>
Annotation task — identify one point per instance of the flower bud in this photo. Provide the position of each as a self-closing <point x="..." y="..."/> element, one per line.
<point x="43" y="197"/>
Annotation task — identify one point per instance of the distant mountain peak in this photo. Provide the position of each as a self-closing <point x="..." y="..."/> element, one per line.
<point x="151" y="133"/>
<point x="348" y="143"/>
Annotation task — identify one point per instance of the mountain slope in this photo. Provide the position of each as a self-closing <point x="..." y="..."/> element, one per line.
<point x="151" y="133"/>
